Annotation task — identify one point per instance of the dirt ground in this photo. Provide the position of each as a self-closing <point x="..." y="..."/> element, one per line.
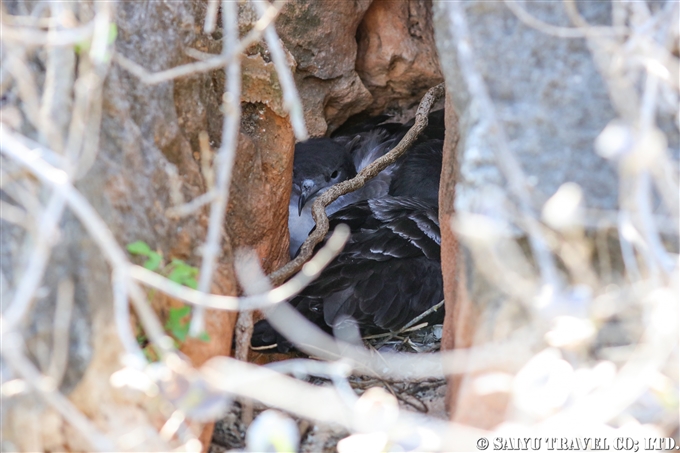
<point x="425" y="397"/>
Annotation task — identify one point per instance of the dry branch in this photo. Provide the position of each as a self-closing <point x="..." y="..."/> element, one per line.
<point x="291" y="99"/>
<point x="224" y="160"/>
<point x="285" y="291"/>
<point x="561" y="32"/>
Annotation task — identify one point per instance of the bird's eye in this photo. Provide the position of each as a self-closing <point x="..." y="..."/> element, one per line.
<point x="334" y="174"/>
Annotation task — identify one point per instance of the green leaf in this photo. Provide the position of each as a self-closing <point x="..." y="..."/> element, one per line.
<point x="183" y="273"/>
<point x="142" y="248"/>
<point x="81" y="47"/>
<point x="204" y="336"/>
<point x="191" y="283"/>
<point x="177" y="325"/>
<point x="139" y="248"/>
<point x="113" y="33"/>
<point x="180" y="274"/>
<point x="180" y="332"/>
<point x="184" y="267"/>
<point x="153" y="262"/>
<point x="176" y="314"/>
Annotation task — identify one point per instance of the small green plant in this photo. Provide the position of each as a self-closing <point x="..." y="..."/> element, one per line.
<point x="141" y="248"/>
<point x="177" y="324"/>
<point x="183" y="273"/>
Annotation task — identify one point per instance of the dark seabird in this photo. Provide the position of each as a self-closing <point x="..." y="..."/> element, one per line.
<point x="389" y="272"/>
<point x="320" y="163"/>
<point x="323" y="162"/>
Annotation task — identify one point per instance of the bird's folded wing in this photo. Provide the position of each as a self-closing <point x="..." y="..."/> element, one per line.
<point x="389" y="271"/>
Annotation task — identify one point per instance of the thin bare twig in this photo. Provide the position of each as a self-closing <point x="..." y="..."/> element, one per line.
<point x="59" y="77"/>
<point x="409" y="324"/>
<point x="211" y="16"/>
<point x="26" y="85"/>
<point x="641" y="240"/>
<point x="13" y="214"/>
<point x="150" y="78"/>
<point x="27" y="21"/>
<point x="224" y="161"/>
<point x="310" y="339"/>
<point x="659" y="341"/>
<point x="230" y="128"/>
<point x="60" y="330"/>
<point x="274" y="389"/>
<point x="175" y="183"/>
<point x="120" y="285"/>
<point x="504" y="263"/>
<point x="289" y="289"/>
<point x="32" y="37"/>
<point x="254" y="281"/>
<point x="149" y="320"/>
<point x="365" y="175"/>
<point x="23" y="192"/>
<point x="95" y="226"/>
<point x="207" y="169"/>
<point x="194" y="205"/>
<point x="561" y="32"/>
<point x="208" y="173"/>
<point x="82" y="145"/>
<point x="291" y="98"/>
<point x="33" y="273"/>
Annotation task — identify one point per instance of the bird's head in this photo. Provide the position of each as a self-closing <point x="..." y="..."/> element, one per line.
<point x="319" y="163"/>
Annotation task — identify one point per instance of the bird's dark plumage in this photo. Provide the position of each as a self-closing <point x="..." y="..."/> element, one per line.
<point x="417" y="174"/>
<point x="383" y="277"/>
<point x="389" y="271"/>
<point x="319" y="163"/>
<point x="323" y="162"/>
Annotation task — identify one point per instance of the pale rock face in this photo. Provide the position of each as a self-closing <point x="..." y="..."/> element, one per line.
<point x="359" y="56"/>
<point x="321" y="35"/>
<point x="397" y="60"/>
<point x="551" y="101"/>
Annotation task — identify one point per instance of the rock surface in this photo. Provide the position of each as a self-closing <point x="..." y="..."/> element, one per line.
<point x="360" y="56"/>
<point x="551" y="101"/>
<point x="321" y="37"/>
<point x="147" y="130"/>
<point x="548" y="95"/>
<point x="549" y="128"/>
<point x="397" y="59"/>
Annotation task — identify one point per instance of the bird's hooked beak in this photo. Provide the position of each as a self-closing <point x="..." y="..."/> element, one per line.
<point x="307" y="189"/>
